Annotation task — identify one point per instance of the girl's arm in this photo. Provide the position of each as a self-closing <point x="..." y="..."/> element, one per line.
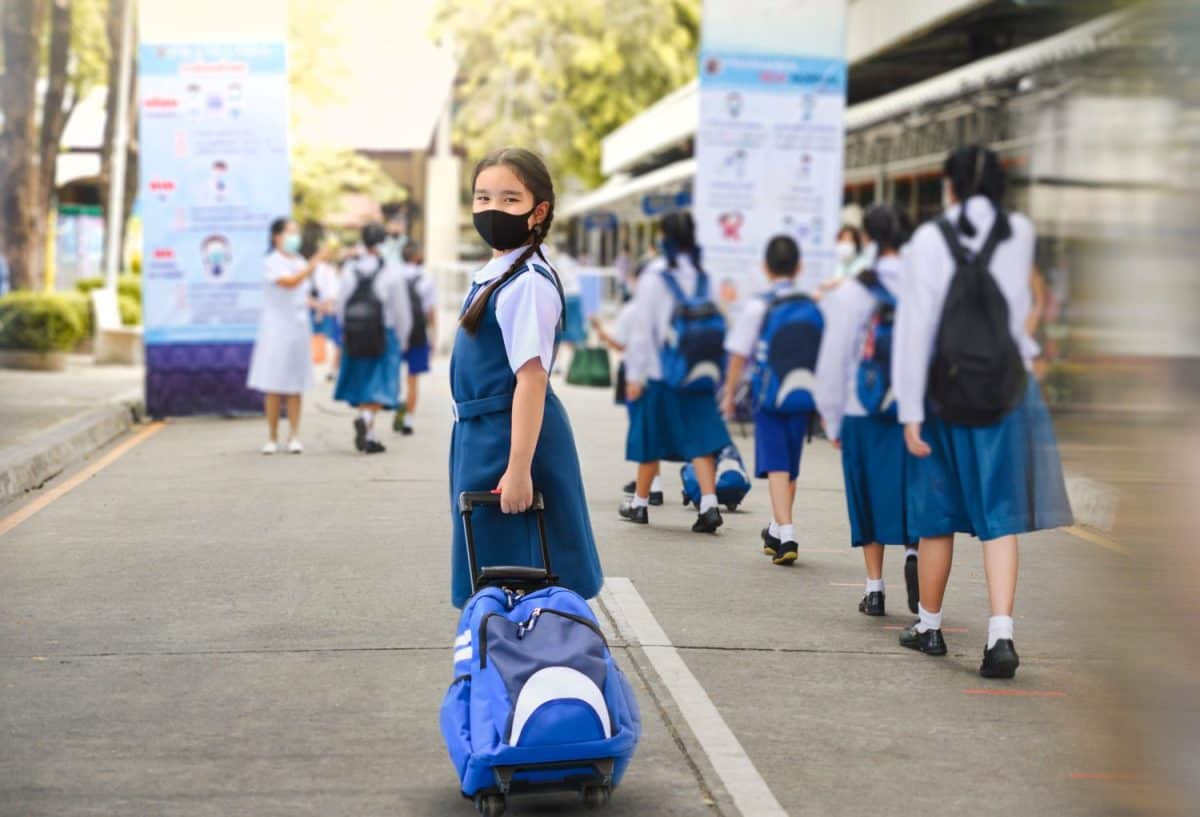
<point x="296" y="279"/>
<point x="733" y="379"/>
<point x="529" y="404"/>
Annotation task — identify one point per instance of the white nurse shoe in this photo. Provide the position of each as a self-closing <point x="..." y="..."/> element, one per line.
<point x="270" y="447"/>
<point x="294" y="446"/>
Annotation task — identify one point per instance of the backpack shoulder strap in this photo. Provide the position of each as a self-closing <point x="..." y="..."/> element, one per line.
<point x="956" y="248"/>
<point x="990" y="243"/>
<point x="673" y="284"/>
<point x="701" y="285"/>
<point x="870" y="281"/>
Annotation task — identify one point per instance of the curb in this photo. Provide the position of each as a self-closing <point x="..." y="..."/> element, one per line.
<point x="28" y="465"/>
<point x="1094" y="503"/>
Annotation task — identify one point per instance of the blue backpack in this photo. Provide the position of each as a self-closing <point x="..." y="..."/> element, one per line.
<point x="733" y="483"/>
<point x="693" y="358"/>
<point x="786" y="359"/>
<point x="874" y="379"/>
<point x="537" y="702"/>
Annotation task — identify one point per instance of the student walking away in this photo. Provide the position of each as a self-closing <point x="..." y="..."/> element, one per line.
<point x="325" y="289"/>
<point x="376" y="321"/>
<point x="618" y="340"/>
<point x="511" y="434"/>
<point x="986" y="462"/>
<point x="780" y="332"/>
<point x="673" y="365"/>
<point x="281" y="363"/>
<point x="422" y="298"/>
<point x="858" y="407"/>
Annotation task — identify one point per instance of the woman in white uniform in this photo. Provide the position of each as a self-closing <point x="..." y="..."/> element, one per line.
<point x="281" y="365"/>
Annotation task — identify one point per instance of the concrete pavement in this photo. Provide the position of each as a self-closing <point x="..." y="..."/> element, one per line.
<point x="199" y="630"/>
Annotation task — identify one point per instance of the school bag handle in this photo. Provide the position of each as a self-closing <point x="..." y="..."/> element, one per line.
<point x="514" y="577"/>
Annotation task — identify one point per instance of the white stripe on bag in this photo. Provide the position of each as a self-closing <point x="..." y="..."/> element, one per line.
<point x="463" y="640"/>
<point x="463" y="654"/>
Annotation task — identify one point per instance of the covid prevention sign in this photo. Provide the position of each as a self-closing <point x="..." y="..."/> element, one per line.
<point x="214" y="174"/>
<point x="769" y="147"/>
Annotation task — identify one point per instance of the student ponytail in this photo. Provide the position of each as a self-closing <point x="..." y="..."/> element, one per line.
<point x="887" y="226"/>
<point x="679" y="236"/>
<point x="974" y="170"/>
<point x="532" y="172"/>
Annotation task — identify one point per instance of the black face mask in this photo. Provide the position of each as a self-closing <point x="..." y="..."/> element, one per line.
<point x="503" y="231"/>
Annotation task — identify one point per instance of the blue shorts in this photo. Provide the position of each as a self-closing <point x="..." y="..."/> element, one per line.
<point x="417" y="359"/>
<point x="778" y="442"/>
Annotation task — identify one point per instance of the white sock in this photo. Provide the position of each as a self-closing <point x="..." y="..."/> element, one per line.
<point x="910" y="553"/>
<point x="707" y="501"/>
<point x="640" y="501"/>
<point x="787" y="533"/>
<point x="927" y="620"/>
<point x="407" y="423"/>
<point x="774" y="529"/>
<point x="874" y="585"/>
<point x="367" y="416"/>
<point x="999" y="627"/>
<point x="656" y="485"/>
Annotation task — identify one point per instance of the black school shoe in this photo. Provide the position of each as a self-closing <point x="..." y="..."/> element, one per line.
<point x="929" y="642"/>
<point x="872" y="604"/>
<point x="360" y="434"/>
<point x="375" y="447"/>
<point x="656" y="497"/>
<point x="1001" y="661"/>
<point x="912" y="583"/>
<point x="785" y="554"/>
<point x="771" y="543"/>
<point x="638" y="516"/>
<point x="708" y="522"/>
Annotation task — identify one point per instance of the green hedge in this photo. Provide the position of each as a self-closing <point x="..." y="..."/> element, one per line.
<point x="82" y="304"/>
<point x="128" y="285"/>
<point x="131" y="310"/>
<point x="39" y="322"/>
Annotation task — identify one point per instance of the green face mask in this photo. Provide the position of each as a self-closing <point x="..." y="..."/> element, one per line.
<point x="291" y="243"/>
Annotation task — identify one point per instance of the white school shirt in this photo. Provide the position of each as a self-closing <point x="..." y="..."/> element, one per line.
<point x="624" y="325"/>
<point x="327" y="282"/>
<point x="742" y="338"/>
<point x="927" y="270"/>
<point x="528" y="310"/>
<point x="389" y="287"/>
<point x="426" y="288"/>
<point x="653" y="306"/>
<point x="847" y="310"/>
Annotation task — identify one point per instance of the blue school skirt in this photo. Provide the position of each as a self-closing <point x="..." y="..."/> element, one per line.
<point x="574" y="326"/>
<point x="371" y="379"/>
<point x="993" y="481"/>
<point x="875" y="466"/>
<point x="417" y="359"/>
<point x="678" y="426"/>
<point x="327" y="325"/>
<point x="778" y="442"/>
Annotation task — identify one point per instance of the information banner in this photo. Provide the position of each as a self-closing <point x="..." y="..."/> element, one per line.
<point x="769" y="145"/>
<point x="214" y="174"/>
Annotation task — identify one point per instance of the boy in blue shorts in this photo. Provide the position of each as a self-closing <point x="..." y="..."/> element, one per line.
<point x="777" y="332"/>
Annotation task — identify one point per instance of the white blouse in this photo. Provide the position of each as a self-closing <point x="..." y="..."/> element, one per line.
<point x="928" y="268"/>
<point x="528" y="310"/>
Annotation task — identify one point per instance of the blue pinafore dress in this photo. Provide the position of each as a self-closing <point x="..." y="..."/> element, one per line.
<point x="482" y="385"/>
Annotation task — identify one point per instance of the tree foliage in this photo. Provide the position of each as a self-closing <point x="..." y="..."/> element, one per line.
<point x="322" y="176"/>
<point x="313" y="41"/>
<point x="558" y="77"/>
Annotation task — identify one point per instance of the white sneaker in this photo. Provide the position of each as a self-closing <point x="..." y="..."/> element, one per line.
<point x="294" y="446"/>
<point x="270" y="447"/>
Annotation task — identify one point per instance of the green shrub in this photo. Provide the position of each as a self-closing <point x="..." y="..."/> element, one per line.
<point x="131" y="310"/>
<point x="82" y="305"/>
<point x="130" y="286"/>
<point x="135" y="264"/>
<point x="39" y="322"/>
<point x="86" y="285"/>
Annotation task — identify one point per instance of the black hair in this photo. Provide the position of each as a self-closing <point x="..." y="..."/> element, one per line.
<point x="277" y="227"/>
<point x="392" y="209"/>
<point x="887" y="225"/>
<point x="783" y="256"/>
<point x="854" y="234"/>
<point x="532" y="172"/>
<point x="973" y="170"/>
<point x="373" y="234"/>
<point x="410" y="253"/>
<point x="678" y="232"/>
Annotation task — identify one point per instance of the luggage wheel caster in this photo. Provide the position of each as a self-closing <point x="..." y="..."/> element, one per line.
<point x="686" y="501"/>
<point x="732" y="507"/>
<point x="595" y="797"/>
<point x="490" y="805"/>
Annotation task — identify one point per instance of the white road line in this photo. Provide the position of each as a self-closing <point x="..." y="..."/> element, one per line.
<point x="639" y="627"/>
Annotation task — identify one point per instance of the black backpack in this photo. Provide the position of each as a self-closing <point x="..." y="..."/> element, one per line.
<point x="364" y="332"/>
<point x="419" y="336"/>
<point x="977" y="375"/>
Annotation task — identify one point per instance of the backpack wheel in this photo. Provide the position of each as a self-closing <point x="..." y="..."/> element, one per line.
<point x="595" y="797"/>
<point x="732" y="506"/>
<point x="490" y="805"/>
<point x="686" y="501"/>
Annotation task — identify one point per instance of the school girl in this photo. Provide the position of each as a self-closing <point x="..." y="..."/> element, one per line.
<point x="281" y="363"/>
<point x="994" y="481"/>
<point x="778" y="435"/>
<point x="422" y="293"/>
<point x="668" y="423"/>
<point x="371" y="381"/>
<point x="511" y="434"/>
<point x="858" y="322"/>
<point x="326" y="289"/>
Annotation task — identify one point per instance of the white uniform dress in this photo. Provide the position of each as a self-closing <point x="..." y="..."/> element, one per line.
<point x="281" y="362"/>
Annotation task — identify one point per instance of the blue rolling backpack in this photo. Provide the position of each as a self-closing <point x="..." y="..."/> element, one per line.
<point x="786" y="359"/>
<point x="733" y="483"/>
<point x="693" y="357"/>
<point x="873" y="384"/>
<point x="538" y="703"/>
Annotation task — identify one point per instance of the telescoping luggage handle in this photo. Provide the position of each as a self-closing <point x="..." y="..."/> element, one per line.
<point x="500" y="575"/>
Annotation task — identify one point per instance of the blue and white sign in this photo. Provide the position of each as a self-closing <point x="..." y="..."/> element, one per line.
<point x="770" y="140"/>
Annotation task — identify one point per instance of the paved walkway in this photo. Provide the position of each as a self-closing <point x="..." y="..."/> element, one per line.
<point x="200" y="630"/>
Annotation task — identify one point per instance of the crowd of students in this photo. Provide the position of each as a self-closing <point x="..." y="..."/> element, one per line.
<point x="372" y="303"/>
